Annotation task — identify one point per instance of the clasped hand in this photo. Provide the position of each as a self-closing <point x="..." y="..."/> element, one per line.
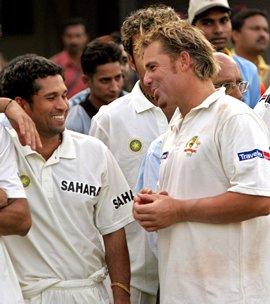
<point x="154" y="211"/>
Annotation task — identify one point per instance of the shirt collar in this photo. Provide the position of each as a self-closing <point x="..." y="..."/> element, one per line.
<point x="174" y="123"/>
<point x="140" y="102"/>
<point x="65" y="150"/>
<point x="210" y="99"/>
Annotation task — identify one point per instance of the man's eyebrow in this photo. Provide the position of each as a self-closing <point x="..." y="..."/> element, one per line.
<point x="150" y="63"/>
<point x="54" y="93"/>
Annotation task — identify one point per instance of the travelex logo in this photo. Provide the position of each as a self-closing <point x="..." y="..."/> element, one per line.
<point x="253" y="154"/>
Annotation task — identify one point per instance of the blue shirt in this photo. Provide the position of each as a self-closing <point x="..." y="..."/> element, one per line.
<point x="249" y="72"/>
<point x="149" y="169"/>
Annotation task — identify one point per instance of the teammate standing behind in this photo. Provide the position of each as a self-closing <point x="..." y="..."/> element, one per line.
<point x="127" y="126"/>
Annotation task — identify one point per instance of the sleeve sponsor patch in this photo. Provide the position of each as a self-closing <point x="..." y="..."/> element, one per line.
<point x="256" y="153"/>
<point x="123" y="199"/>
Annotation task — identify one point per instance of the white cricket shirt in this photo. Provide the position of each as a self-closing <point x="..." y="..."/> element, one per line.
<point x="262" y="108"/>
<point x="127" y="126"/>
<point x="74" y="196"/>
<point x="10" y="292"/>
<point x="219" y="146"/>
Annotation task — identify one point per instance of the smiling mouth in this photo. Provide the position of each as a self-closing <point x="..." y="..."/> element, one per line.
<point x="155" y="94"/>
<point x="60" y="118"/>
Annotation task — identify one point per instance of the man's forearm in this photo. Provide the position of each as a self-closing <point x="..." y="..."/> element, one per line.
<point x="117" y="259"/>
<point x="15" y="218"/>
<point x="155" y="211"/>
<point x="228" y="207"/>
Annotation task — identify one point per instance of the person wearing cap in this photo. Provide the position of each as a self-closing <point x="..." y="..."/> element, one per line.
<point x="213" y="18"/>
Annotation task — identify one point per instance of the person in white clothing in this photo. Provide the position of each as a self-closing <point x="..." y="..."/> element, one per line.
<point x="215" y="178"/>
<point x="15" y="218"/>
<point x="262" y="108"/>
<point x="77" y="195"/>
<point x="127" y="126"/>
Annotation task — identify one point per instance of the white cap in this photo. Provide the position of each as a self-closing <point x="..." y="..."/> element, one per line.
<point x="197" y="7"/>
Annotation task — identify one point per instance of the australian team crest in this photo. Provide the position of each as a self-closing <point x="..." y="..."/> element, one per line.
<point x="135" y="145"/>
<point x="25" y="180"/>
<point x="192" y="145"/>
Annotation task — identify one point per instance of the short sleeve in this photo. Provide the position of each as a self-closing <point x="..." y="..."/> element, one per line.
<point x="99" y="127"/>
<point x="114" y="207"/>
<point x="9" y="179"/>
<point x="244" y="149"/>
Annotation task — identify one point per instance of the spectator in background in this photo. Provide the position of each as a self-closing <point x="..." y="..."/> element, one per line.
<point x="250" y="36"/>
<point x="74" y="39"/>
<point x="212" y="17"/>
<point x="229" y="76"/>
<point x="101" y="64"/>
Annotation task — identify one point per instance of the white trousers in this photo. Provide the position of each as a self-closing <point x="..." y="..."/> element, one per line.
<point x="139" y="297"/>
<point x="88" y="291"/>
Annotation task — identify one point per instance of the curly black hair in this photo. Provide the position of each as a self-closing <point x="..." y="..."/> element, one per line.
<point x="18" y="77"/>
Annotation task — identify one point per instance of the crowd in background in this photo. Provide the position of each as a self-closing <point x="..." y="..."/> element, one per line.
<point x="167" y="200"/>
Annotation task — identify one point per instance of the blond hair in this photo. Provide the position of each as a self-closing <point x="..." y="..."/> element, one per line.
<point x="180" y="36"/>
<point x="143" y="20"/>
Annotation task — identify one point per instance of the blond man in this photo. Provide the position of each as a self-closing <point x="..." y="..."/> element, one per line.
<point x="215" y="167"/>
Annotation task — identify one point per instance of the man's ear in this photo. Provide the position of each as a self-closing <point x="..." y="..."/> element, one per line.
<point x="23" y="103"/>
<point x="131" y="62"/>
<point x="184" y="61"/>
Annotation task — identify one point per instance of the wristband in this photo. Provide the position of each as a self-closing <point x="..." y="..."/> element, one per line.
<point x="122" y="286"/>
<point x="9" y="102"/>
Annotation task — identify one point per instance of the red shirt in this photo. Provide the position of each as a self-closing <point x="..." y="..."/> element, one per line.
<point x="73" y="73"/>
